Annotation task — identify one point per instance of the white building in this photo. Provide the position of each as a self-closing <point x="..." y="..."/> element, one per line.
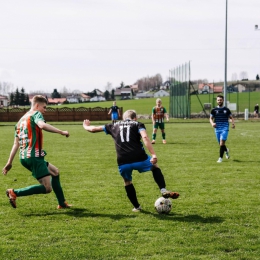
<point x="161" y="93"/>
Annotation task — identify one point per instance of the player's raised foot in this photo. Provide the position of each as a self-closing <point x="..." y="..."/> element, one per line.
<point x="164" y="141"/>
<point x="219" y="160"/>
<point x="65" y="206"/>
<point x="227" y="154"/>
<point x="137" y="209"/>
<point x="153" y="141"/>
<point x="12" y="197"/>
<point x="170" y="194"/>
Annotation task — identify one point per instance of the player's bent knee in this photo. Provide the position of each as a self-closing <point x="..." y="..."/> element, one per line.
<point x="48" y="189"/>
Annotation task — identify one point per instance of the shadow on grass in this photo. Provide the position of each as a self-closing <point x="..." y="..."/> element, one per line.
<point x="245" y="161"/>
<point x="79" y="213"/>
<point x="84" y="213"/>
<point x="185" y="218"/>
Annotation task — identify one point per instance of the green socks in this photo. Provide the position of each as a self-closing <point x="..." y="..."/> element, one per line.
<point x="56" y="186"/>
<point x="30" y="190"/>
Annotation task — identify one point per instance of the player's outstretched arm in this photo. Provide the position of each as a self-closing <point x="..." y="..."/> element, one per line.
<point x="90" y="128"/>
<point x="13" y="152"/>
<point x="52" y="129"/>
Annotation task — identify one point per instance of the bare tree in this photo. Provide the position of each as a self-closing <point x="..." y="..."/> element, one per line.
<point x="243" y="75"/>
<point x="108" y="86"/>
<point x="234" y="77"/>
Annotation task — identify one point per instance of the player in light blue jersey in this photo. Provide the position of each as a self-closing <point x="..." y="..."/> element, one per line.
<point x="219" y="119"/>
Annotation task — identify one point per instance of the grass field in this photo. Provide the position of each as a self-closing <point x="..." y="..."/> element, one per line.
<point x="216" y="216"/>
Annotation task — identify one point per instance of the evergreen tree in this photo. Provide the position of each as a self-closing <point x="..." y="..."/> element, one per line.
<point x="16" y="97"/>
<point x="55" y="94"/>
<point x="113" y="94"/>
<point x="22" y="98"/>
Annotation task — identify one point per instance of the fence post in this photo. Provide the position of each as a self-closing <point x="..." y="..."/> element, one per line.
<point x="246" y="114"/>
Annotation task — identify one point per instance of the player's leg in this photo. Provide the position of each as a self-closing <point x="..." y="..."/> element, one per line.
<point x="160" y="181"/>
<point x="125" y="171"/>
<point x="163" y="132"/>
<point x="145" y="166"/>
<point x="39" y="171"/>
<point x="56" y="186"/>
<point x="155" y="128"/>
<point x="223" y="148"/>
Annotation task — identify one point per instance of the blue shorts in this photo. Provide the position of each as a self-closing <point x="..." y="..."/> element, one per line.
<point x="221" y="135"/>
<point x="126" y="170"/>
<point x="114" y="116"/>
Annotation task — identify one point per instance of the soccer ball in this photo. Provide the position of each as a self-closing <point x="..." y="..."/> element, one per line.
<point x="163" y="206"/>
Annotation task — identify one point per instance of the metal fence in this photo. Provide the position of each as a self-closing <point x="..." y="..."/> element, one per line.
<point x="180" y="92"/>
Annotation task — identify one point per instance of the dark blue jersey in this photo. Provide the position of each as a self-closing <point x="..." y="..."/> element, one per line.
<point x="127" y="138"/>
<point x="221" y="117"/>
<point x="114" y="109"/>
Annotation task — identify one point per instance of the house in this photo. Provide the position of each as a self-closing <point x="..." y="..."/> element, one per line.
<point x="144" y="95"/>
<point x="55" y="101"/>
<point x="97" y="98"/>
<point x="4" y="101"/>
<point x="134" y="88"/>
<point x="73" y="99"/>
<point x="206" y="88"/>
<point x="84" y="97"/>
<point x="161" y="93"/>
<point x="123" y="93"/>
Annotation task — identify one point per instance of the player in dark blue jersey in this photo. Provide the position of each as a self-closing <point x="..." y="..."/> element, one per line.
<point x="219" y="119"/>
<point x="127" y="135"/>
<point x="115" y="112"/>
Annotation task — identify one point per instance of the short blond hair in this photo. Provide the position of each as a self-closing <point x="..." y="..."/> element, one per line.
<point x="129" y="114"/>
<point x="39" y="99"/>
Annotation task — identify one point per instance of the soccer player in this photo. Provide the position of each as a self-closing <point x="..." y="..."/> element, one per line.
<point x="158" y="114"/>
<point x="29" y="140"/>
<point x="114" y="111"/>
<point x="127" y="135"/>
<point x="219" y="119"/>
<point x="256" y="110"/>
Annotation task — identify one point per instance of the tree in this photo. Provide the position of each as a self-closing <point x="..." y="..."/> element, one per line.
<point x="122" y="85"/>
<point x="257" y="77"/>
<point x="55" y="94"/>
<point x="16" y="97"/>
<point x="113" y="94"/>
<point x="243" y="75"/>
<point x="234" y="76"/>
<point x="22" y="98"/>
<point x="108" y="86"/>
<point x="106" y="94"/>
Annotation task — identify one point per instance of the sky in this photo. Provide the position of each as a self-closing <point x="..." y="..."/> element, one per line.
<point x="81" y="45"/>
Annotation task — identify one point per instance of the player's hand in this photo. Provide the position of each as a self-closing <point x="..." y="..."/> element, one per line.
<point x="66" y="133"/>
<point x="214" y="125"/>
<point x="7" y="168"/>
<point x="153" y="160"/>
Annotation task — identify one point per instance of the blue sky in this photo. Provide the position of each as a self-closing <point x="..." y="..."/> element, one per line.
<point x="84" y="44"/>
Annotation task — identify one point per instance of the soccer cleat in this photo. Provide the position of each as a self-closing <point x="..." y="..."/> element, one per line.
<point x="64" y="207"/>
<point x="137" y="209"/>
<point x="170" y="194"/>
<point x="164" y="141"/>
<point x="12" y="197"/>
<point x="219" y="160"/>
<point x="227" y="154"/>
<point x="153" y="142"/>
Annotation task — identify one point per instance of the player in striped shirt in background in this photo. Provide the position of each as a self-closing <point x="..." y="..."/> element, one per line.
<point x="29" y="140"/>
<point x="158" y="114"/>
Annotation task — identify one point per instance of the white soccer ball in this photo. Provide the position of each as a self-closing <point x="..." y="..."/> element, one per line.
<point x="163" y="206"/>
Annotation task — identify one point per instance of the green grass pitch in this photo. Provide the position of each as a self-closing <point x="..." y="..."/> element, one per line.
<point x="216" y="216"/>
